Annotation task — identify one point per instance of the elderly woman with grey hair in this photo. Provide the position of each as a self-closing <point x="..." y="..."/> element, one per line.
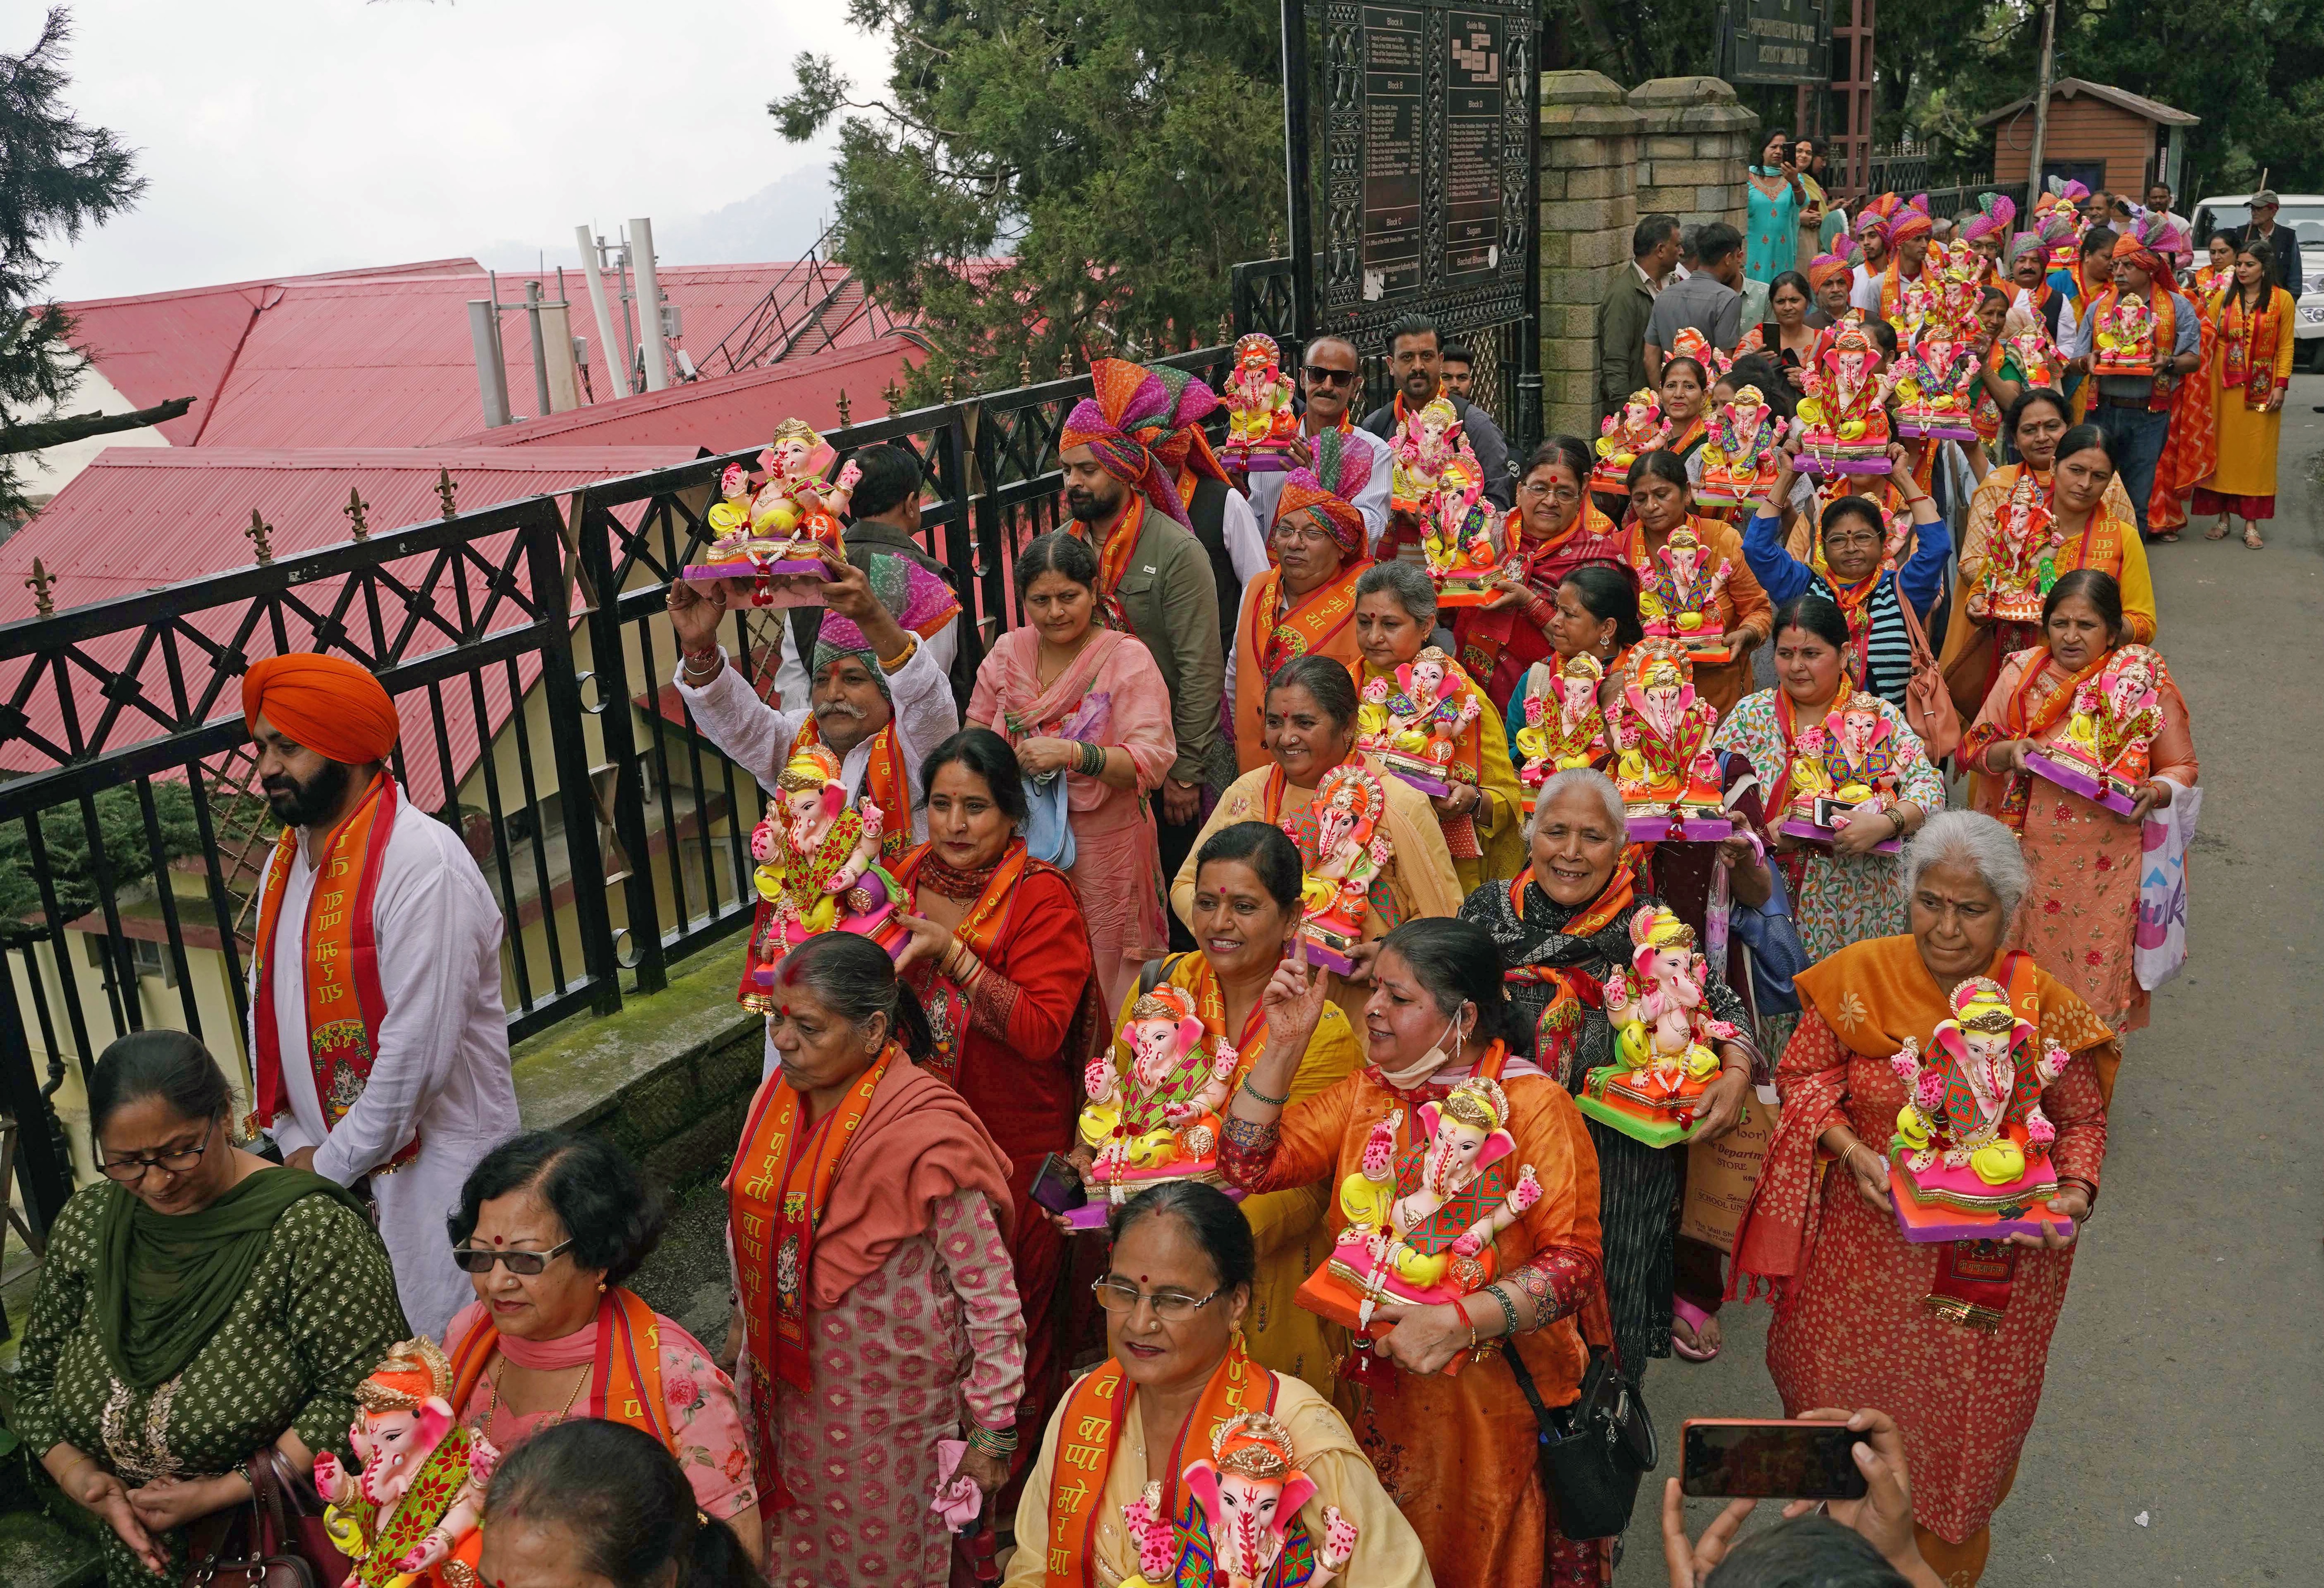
<point x="1482" y="814"/>
<point x="1950" y="1338"/>
<point x="1563" y="926"/>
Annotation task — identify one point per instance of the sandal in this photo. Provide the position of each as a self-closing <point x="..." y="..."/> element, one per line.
<point x="2252" y="540"/>
<point x="2169" y="537"/>
<point x="2218" y="532"/>
<point x="1683" y="1311"/>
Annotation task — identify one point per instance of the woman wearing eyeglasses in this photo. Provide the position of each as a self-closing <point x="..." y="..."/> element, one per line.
<point x="1305" y="605"/>
<point x="869" y="1211"/>
<point x="200" y="1310"/>
<point x="1168" y="1411"/>
<point x="1553" y="529"/>
<point x="549" y="1226"/>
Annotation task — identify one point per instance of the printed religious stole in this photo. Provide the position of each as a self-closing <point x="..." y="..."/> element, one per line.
<point x="344" y="999"/>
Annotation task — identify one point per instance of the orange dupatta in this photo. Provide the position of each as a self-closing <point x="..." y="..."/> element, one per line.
<point x="625" y="1377"/>
<point x="345" y="1000"/>
<point x="1268" y="639"/>
<point x="1090" y="1430"/>
<point x="2022" y="719"/>
<point x="1559" y="1029"/>
<point x="1113" y="562"/>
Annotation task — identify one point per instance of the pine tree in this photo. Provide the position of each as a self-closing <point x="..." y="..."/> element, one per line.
<point x="57" y="177"/>
<point x="1054" y="178"/>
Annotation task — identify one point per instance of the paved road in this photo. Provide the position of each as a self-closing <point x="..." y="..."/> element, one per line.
<point x="2185" y="1384"/>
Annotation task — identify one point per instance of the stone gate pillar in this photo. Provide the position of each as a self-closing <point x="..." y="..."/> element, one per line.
<point x="1696" y="142"/>
<point x="1589" y="164"/>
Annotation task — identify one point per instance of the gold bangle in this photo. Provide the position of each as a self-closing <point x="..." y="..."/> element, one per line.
<point x="911" y="645"/>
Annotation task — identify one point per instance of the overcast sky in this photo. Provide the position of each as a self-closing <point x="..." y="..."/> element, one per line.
<point x="280" y="137"/>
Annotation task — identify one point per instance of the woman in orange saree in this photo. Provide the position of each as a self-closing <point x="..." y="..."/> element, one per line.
<point x="2085" y="859"/>
<point x="1456" y="1454"/>
<point x="1086" y="703"/>
<point x="1950" y="1339"/>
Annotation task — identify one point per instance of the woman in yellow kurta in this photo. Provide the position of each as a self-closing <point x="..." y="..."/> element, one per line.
<point x="1175" y="1395"/>
<point x="2019" y="499"/>
<point x="1311" y="728"/>
<point x="2251" y="371"/>
<point x="1246" y="910"/>
<point x="1483" y="814"/>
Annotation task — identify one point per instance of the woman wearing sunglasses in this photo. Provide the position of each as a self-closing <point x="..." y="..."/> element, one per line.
<point x="549" y="1226"/>
<point x="200" y="1310"/>
<point x="1164" y="1411"/>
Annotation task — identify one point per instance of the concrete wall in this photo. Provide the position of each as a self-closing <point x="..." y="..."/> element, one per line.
<point x="1677" y="145"/>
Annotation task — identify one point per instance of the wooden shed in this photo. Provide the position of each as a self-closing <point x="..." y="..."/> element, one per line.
<point x="2106" y="137"/>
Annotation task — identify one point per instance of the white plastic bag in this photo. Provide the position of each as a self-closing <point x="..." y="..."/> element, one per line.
<point x="2161" y="937"/>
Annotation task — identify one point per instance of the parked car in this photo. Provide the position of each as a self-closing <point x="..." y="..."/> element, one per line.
<point x="2304" y="214"/>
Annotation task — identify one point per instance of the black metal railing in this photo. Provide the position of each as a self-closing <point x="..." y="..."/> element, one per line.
<point x="528" y="649"/>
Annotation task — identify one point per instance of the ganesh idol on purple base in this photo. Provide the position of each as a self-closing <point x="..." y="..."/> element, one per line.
<point x="1155" y="1118"/>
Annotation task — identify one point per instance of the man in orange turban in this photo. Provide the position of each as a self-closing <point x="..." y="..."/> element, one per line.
<point x="375" y="1020"/>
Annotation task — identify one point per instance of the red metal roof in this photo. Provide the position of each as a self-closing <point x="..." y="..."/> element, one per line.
<point x="141" y="518"/>
<point x="368" y="358"/>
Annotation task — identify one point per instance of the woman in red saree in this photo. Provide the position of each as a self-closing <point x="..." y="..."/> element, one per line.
<point x="1001" y="960"/>
<point x="1457" y="1453"/>
<point x="1553" y="529"/>
<point x="2085" y="859"/>
<point x="1950" y="1339"/>
<point x="1086" y="703"/>
<point x="867" y="1209"/>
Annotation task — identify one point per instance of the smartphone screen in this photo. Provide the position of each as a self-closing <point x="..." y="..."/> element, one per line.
<point x="1057" y="1187"/>
<point x="1770" y="1460"/>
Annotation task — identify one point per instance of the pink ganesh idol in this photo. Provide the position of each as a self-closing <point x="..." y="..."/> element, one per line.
<point x="1681" y="601"/>
<point x="2109" y="743"/>
<point x="1844" y="426"/>
<point x="1412" y="722"/>
<point x="1662" y="1036"/>
<point x="1349" y="849"/>
<point x="1844" y="766"/>
<point x="1564" y="725"/>
<point x="817" y="867"/>
<point x="1638" y="428"/>
<point x="1457" y="546"/>
<point x="1424" y="445"/>
<point x="1738" y="455"/>
<point x="1970" y="1158"/>
<point x="1248" y="1532"/>
<point x="1660" y="732"/>
<point x="1157" y="1117"/>
<point x="771" y="538"/>
<point x="409" y="1515"/>
<point x="1421" y="1222"/>
<point x="1260" y="423"/>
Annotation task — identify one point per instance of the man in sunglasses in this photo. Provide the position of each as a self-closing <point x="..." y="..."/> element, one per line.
<point x="1331" y="376"/>
<point x="1415" y="357"/>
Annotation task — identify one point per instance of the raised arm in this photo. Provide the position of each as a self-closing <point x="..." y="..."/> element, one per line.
<point x="1264" y="1147"/>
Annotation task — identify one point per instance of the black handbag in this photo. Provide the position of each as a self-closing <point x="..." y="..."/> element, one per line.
<point x="1593" y="1452"/>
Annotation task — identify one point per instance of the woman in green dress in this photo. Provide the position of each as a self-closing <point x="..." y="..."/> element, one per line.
<point x="198" y="1306"/>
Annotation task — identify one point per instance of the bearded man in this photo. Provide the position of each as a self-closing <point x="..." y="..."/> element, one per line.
<point x="380" y="1045"/>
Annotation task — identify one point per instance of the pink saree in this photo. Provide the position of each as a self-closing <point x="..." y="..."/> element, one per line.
<point x="1114" y="695"/>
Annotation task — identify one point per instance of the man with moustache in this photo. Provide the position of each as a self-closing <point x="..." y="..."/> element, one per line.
<point x="380" y="1046"/>
<point x="1331" y="376"/>
<point x="1124" y="450"/>
<point x="1416" y="359"/>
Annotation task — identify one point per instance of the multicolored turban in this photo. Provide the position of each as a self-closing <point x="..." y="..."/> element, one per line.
<point x="1995" y="212"/>
<point x="1144" y="425"/>
<point x="2145" y="241"/>
<point x="921" y="601"/>
<point x="1307" y="496"/>
<point x="1875" y="217"/>
<point x="1911" y="219"/>
<point x="1824" y="266"/>
<point x="327" y="704"/>
<point x="2023" y="243"/>
<point x="2063" y="191"/>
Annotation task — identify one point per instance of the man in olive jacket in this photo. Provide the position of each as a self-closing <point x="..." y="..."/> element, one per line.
<point x="1629" y="302"/>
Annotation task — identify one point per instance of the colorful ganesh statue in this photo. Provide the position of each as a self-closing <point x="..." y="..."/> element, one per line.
<point x="1638" y="428"/>
<point x="1681" y="600"/>
<point x="1663" y="1033"/>
<point x="2109" y="740"/>
<point x="1248" y="1533"/>
<point x="1414" y="721"/>
<point x="1660" y="732"/>
<point x="1970" y="1158"/>
<point x="1739" y="456"/>
<point x="776" y="534"/>
<point x="1564" y="725"/>
<point x="1157" y="1119"/>
<point x="1350" y="848"/>
<point x="1422" y="1220"/>
<point x="409" y="1515"/>
<point x="1844" y="426"/>
<point x="1261" y="424"/>
<point x="818" y="868"/>
<point x="1845" y="764"/>
<point x="1458" y="542"/>
<point x="1422" y="446"/>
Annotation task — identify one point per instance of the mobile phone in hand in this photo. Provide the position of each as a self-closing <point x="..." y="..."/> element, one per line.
<point x="1058" y="1186"/>
<point x="1770" y="1458"/>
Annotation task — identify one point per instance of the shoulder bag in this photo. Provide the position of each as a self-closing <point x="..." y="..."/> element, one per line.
<point x="1592" y="1454"/>
<point x="1929" y="706"/>
<point x="249" y="1546"/>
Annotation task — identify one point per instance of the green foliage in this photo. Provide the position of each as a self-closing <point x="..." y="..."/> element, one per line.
<point x="121" y="828"/>
<point x="57" y="177"/>
<point x="1045" y="177"/>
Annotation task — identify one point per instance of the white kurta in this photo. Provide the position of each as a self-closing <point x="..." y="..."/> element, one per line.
<point x="442" y="1070"/>
<point x="758" y="738"/>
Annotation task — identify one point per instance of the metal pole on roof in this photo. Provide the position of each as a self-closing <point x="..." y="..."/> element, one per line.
<point x="2041" y="110"/>
<point x="491" y="375"/>
<point x="651" y="340"/>
<point x="597" y="306"/>
<point x="539" y="360"/>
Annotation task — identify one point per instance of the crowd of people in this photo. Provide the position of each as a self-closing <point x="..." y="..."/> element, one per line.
<point x="1113" y="811"/>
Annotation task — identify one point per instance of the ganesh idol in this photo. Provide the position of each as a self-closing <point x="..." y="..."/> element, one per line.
<point x="1970" y="1158"/>
<point x="1423" y="446"/>
<point x="1413" y="722"/>
<point x="776" y="533"/>
<point x="1638" y="428"/>
<point x="1738" y="455"/>
<point x="1248" y="1531"/>
<point x="1845" y="765"/>
<point x="1261" y="425"/>
<point x="1660" y="732"/>
<point x="2106" y="748"/>
<point x="1462" y="559"/>
<point x="1664" y="1029"/>
<point x="1565" y="726"/>
<point x="817" y="867"/>
<point x="1157" y="1118"/>
<point x="1844" y="426"/>
<point x="1680" y="602"/>
<point x="409" y="1514"/>
<point x="1351" y="848"/>
<point x="1421" y="1221"/>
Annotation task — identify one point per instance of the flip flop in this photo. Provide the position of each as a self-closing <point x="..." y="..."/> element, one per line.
<point x="1694" y="1318"/>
